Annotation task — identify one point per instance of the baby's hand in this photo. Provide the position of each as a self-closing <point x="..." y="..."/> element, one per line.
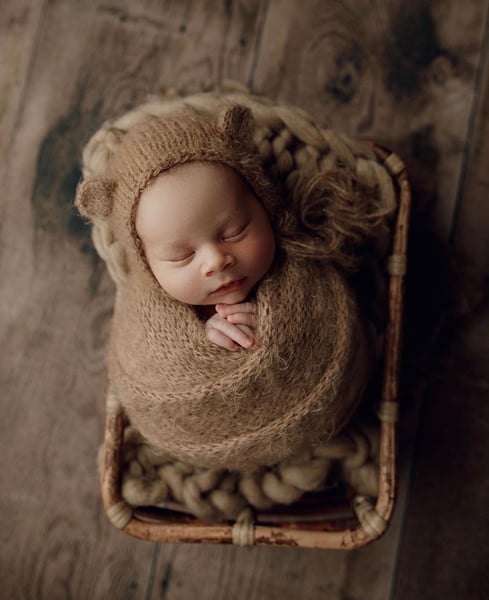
<point x="233" y="326"/>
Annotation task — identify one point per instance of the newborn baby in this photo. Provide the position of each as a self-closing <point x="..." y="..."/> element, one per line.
<point x="208" y="242"/>
<point x="235" y="341"/>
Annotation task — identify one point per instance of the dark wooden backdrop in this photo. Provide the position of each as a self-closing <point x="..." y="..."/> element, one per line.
<point x="410" y="74"/>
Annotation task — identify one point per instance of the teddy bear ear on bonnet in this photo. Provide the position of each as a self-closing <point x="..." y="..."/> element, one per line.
<point x="94" y="197"/>
<point x="238" y="124"/>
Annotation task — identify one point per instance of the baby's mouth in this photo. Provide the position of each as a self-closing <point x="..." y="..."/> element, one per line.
<point x="230" y="286"/>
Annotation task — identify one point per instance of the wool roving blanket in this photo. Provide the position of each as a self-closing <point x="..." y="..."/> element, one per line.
<point x="239" y="410"/>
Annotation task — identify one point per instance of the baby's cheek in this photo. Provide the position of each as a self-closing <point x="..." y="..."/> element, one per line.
<point x="163" y="276"/>
<point x="260" y="252"/>
<point x="182" y="284"/>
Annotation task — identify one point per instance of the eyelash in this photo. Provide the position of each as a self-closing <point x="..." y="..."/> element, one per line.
<point x="181" y="259"/>
<point x="234" y="234"/>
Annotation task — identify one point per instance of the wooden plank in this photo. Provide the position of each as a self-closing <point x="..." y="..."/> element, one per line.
<point x="446" y="521"/>
<point x="53" y="524"/>
<point x="470" y="230"/>
<point x="221" y="572"/>
<point x="444" y="553"/>
<point x="56" y="299"/>
<point x="403" y="76"/>
<point x="19" y="23"/>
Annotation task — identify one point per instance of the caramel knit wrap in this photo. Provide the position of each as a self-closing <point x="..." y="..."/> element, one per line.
<point x="200" y="403"/>
<point x="215" y="408"/>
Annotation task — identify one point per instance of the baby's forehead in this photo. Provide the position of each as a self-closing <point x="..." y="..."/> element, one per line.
<point x="190" y="195"/>
<point x="194" y="179"/>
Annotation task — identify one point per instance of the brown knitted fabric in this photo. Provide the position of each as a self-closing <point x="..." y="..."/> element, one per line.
<point x="203" y="404"/>
<point x="211" y="407"/>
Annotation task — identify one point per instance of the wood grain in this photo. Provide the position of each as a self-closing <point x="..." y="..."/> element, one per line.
<point x="470" y="229"/>
<point x="72" y="65"/>
<point x="445" y="553"/>
<point x="19" y="24"/>
<point x="220" y="572"/>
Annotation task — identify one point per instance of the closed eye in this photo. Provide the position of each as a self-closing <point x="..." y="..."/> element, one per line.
<point x="180" y="259"/>
<point x="235" y="234"/>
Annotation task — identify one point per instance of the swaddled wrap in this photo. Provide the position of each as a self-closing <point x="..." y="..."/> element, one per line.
<point x="203" y="404"/>
<point x="212" y="407"/>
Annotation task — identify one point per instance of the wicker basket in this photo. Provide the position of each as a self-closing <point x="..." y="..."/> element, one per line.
<point x="318" y="520"/>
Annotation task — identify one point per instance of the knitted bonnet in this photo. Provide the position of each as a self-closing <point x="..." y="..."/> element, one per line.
<point x="159" y="144"/>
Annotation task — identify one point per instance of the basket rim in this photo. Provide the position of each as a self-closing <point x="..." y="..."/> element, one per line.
<point x="372" y="520"/>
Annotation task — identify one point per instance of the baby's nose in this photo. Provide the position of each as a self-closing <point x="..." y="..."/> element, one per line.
<point x="215" y="260"/>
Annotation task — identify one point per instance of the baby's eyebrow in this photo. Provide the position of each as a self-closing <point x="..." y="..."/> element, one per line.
<point x="165" y="247"/>
<point x="174" y="246"/>
<point x="168" y="253"/>
<point x="236" y="214"/>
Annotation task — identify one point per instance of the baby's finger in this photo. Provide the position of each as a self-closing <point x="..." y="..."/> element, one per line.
<point x="251" y="334"/>
<point x="240" y="318"/>
<point x="225" y="310"/>
<point x="221" y="339"/>
<point x="239" y="334"/>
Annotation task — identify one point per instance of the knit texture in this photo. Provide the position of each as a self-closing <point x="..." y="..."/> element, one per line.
<point x="152" y="477"/>
<point x="187" y="397"/>
<point x="211" y="407"/>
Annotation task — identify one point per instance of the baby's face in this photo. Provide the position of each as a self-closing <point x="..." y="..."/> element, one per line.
<point x="206" y="237"/>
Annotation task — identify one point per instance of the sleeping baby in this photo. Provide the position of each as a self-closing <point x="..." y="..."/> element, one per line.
<point x="236" y="340"/>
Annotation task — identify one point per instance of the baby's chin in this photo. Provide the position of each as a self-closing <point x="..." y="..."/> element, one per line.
<point x="212" y="300"/>
<point x="231" y="298"/>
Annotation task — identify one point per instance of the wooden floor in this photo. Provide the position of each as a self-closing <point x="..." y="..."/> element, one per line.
<point x="409" y="74"/>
